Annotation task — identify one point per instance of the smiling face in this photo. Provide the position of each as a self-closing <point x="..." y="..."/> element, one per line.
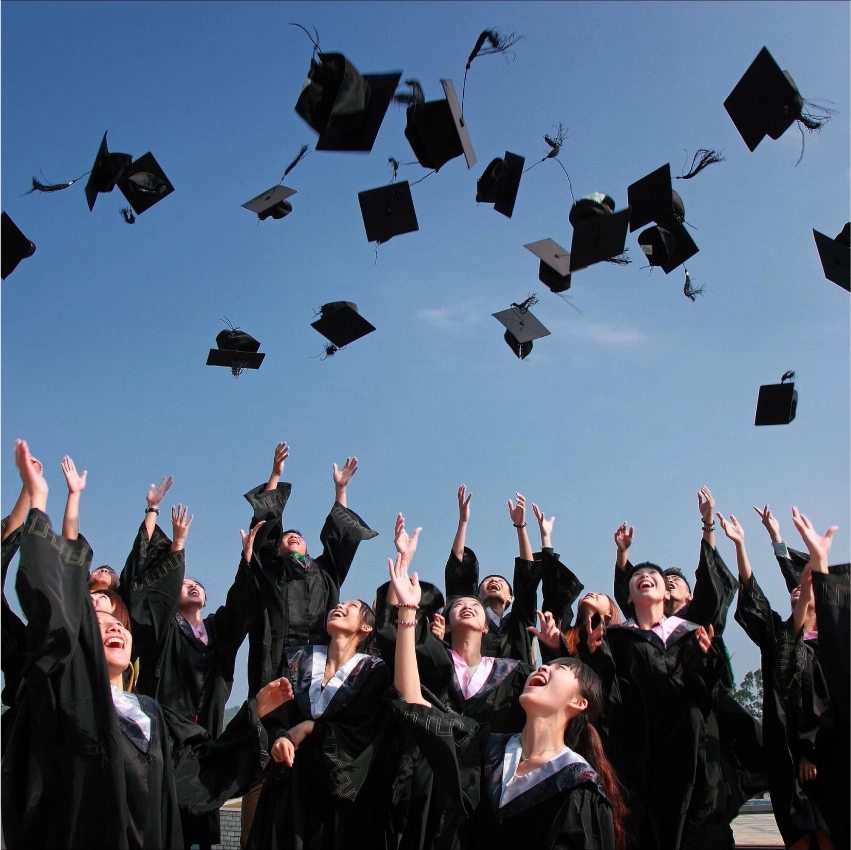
<point x="647" y="586"/>
<point x="553" y="689"/>
<point x="292" y="541"/>
<point x="466" y="612"/>
<point x="192" y="594"/>
<point x="679" y="590"/>
<point x="117" y="643"/>
<point x="347" y="619"/>
<point x="495" y="588"/>
<point x="595" y="603"/>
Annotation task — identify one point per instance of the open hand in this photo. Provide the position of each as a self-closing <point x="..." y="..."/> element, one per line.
<point x="704" y="638"/>
<point x="156" y="493"/>
<point x="405" y="544"/>
<point x="31" y="475"/>
<point x="463" y="504"/>
<point x="548" y="634"/>
<point x="624" y="537"/>
<point x="769" y="521"/>
<point x="407" y="590"/>
<point x="283" y="751"/>
<point x="438" y="626"/>
<point x="344" y="475"/>
<point x="818" y="547"/>
<point x="732" y="529"/>
<point x="595" y="636"/>
<point x="76" y="483"/>
<point x="181" y="519"/>
<point x="546" y="525"/>
<point x="282" y="452"/>
<point x="274" y="695"/>
<point x="705" y="504"/>
<point x="248" y="540"/>
<point x="518" y="513"/>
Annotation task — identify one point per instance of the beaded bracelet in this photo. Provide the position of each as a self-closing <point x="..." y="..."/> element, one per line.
<point x="405" y="605"/>
<point x="152" y="510"/>
<point x="709" y="527"/>
<point x="406" y="622"/>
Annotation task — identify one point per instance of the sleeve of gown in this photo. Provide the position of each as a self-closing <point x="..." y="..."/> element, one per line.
<point x="603" y="664"/>
<point x="14" y="629"/>
<point x="461" y="578"/>
<point x="52" y="586"/>
<point x="527" y="575"/>
<point x="560" y="588"/>
<point x="234" y="618"/>
<point x="791" y="566"/>
<point x="268" y="506"/>
<point x="151" y="582"/>
<point x="714" y="589"/>
<point x="832" y="612"/>
<point x="584" y="822"/>
<point x="621" y="587"/>
<point x="340" y="536"/>
<point x="208" y="773"/>
<point x="754" y="614"/>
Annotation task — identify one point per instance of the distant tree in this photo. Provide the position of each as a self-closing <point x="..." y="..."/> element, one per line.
<point x="230" y="713"/>
<point x="749" y="693"/>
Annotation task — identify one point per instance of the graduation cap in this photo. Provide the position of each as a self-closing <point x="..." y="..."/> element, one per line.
<point x="500" y="182"/>
<point x="521" y="327"/>
<point x="344" y="106"/>
<point x="554" y="268"/>
<point x="666" y="247"/>
<point x="15" y="246"/>
<point x="388" y="211"/>
<point x="653" y="199"/>
<point x="599" y="233"/>
<point x="144" y="183"/>
<point x="777" y="403"/>
<point x="237" y="350"/>
<point x="341" y="323"/>
<point x="766" y="102"/>
<point x="437" y="132"/>
<point x="105" y="173"/>
<point x="835" y="255"/>
<point x="272" y="203"/>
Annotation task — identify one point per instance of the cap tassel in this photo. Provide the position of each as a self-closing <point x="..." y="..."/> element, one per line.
<point x="303" y="151"/>
<point x="702" y="159"/>
<point x="689" y="291"/>
<point x="812" y="122"/>
<point x="498" y="44"/>
<point x="38" y="186"/>
<point x="415" y="96"/>
<point x="524" y="306"/>
<point x="787" y="376"/>
<point x="127" y="213"/>
<point x="621" y="259"/>
<point x="314" y="42"/>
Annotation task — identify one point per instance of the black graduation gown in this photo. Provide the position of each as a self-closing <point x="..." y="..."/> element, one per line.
<point x="297" y="600"/>
<point x="333" y="796"/>
<point x="568" y="810"/>
<point x="14" y="639"/>
<point x="560" y="588"/>
<point x="508" y="639"/>
<point x="834" y="624"/>
<point x="176" y="668"/>
<point x="658" y="696"/>
<point x="793" y="686"/>
<point x="71" y="776"/>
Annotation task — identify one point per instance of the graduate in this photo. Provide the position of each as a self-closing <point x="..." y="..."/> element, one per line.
<point x="547" y="786"/>
<point x="89" y="764"/>
<point x="186" y="662"/>
<point x="658" y="674"/>
<point x="322" y="790"/>
<point x="494" y="591"/>
<point x="793" y="686"/>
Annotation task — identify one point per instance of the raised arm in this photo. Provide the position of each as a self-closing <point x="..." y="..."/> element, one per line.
<point x="180" y="523"/>
<point x="342" y="477"/>
<point x="623" y="540"/>
<point x="806" y="601"/>
<point x="559" y="585"/>
<point x="153" y="498"/>
<point x="706" y="506"/>
<point x="76" y="485"/>
<point x="790" y="561"/>
<point x="463" y="519"/>
<point x="545" y="526"/>
<point x="282" y="452"/>
<point x="736" y="534"/>
<point x="817" y="545"/>
<point x="19" y="512"/>
<point x="518" y="517"/>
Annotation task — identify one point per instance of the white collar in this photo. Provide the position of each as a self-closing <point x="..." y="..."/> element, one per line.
<point x="320" y="697"/>
<point x="127" y="708"/>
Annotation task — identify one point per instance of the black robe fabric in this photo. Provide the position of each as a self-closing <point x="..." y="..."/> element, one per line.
<point x="14" y="639"/>
<point x="335" y="793"/>
<point x="795" y="704"/>
<point x="509" y="639"/>
<point x="568" y="810"/>
<point x="658" y="698"/>
<point x="175" y="668"/>
<point x="71" y="776"/>
<point x="560" y="588"/>
<point x="297" y="600"/>
<point x="834" y="753"/>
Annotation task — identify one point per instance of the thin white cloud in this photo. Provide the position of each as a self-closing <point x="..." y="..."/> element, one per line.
<point x="456" y="318"/>
<point x="609" y="335"/>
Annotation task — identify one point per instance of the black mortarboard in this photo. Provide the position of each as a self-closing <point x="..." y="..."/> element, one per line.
<point x="388" y="211"/>
<point x="144" y="183"/>
<point x="437" y="132"/>
<point x="666" y="247"/>
<point x="653" y="199"/>
<point x="765" y="101"/>
<point x="521" y="329"/>
<point x="598" y="237"/>
<point x="341" y="323"/>
<point x="16" y="246"/>
<point x="835" y="255"/>
<point x="237" y="350"/>
<point x="777" y="403"/>
<point x="105" y="173"/>
<point x="500" y="182"/>
<point x="272" y="203"/>
<point x="344" y="106"/>
<point x="554" y="268"/>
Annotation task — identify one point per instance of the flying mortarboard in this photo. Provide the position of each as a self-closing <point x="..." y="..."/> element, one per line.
<point x="835" y="255"/>
<point x="16" y="246"/>
<point x="500" y="183"/>
<point x="437" y="132"/>
<point x="666" y="247"/>
<point x="388" y="211"/>
<point x="599" y="233"/>
<point x="777" y="403"/>
<point x="105" y="173"/>
<point x="272" y="203"/>
<point x="521" y="327"/>
<point x="237" y="350"/>
<point x="344" y="106"/>
<point x="766" y="102"/>
<point x="144" y="183"/>
<point x="554" y="268"/>
<point x="653" y="199"/>
<point x="340" y="323"/>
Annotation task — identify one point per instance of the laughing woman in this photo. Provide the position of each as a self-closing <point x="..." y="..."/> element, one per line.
<point x="88" y="764"/>
<point x="549" y="786"/>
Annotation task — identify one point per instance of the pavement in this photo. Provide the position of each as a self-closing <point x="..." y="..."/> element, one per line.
<point x="756" y="830"/>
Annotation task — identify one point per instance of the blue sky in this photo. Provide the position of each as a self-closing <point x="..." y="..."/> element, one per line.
<point x="621" y="414"/>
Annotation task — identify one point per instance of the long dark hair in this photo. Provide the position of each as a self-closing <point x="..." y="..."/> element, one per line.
<point x="582" y="737"/>
<point x="367" y="618"/>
